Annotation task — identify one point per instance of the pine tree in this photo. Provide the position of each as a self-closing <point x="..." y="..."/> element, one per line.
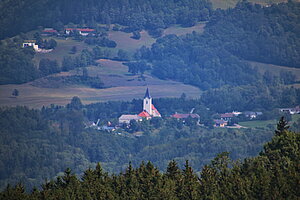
<point x="282" y="126"/>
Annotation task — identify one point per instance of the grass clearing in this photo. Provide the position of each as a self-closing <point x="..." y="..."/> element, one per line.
<point x="266" y="123"/>
<point x="121" y="87"/>
<point x="124" y="40"/>
<point x="119" y="84"/>
<point x="258" y="123"/>
<point x="224" y="4"/>
<point x="62" y="49"/>
<point x="178" y="30"/>
<point x="275" y="69"/>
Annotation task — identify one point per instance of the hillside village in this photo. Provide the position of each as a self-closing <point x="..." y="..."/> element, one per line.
<point x="149" y="111"/>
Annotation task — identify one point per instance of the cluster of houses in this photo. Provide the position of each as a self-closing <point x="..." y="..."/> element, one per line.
<point x="149" y="111"/>
<point x="32" y="43"/>
<point x="52" y="32"/>
<point x="291" y="111"/>
<point x="225" y="118"/>
<point x="68" y="31"/>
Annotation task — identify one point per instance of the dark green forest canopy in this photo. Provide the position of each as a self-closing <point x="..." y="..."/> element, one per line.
<point x="22" y="16"/>
<point x="274" y="174"/>
<point x="39" y="144"/>
<point x="264" y="34"/>
<point x="16" y="64"/>
<point x="216" y="57"/>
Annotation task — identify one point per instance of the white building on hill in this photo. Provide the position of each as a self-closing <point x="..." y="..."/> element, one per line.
<point x="30" y="43"/>
<point x="149" y="109"/>
<point x="148" y="112"/>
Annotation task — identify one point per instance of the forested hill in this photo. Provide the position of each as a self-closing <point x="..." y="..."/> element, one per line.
<point x="24" y="15"/>
<point x="274" y="174"/>
<point x="247" y="32"/>
<point x="264" y="34"/>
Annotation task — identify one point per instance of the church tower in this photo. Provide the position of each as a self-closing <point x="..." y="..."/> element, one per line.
<point x="147" y="105"/>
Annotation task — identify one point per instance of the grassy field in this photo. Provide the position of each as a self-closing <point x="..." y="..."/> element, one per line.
<point x="224" y="4"/>
<point x="275" y="69"/>
<point x="178" y="30"/>
<point x="265" y="123"/>
<point x="124" y="41"/>
<point x="63" y="48"/>
<point x="121" y="86"/>
<point x="258" y="124"/>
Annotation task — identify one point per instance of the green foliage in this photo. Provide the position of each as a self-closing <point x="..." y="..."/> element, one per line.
<point x="15" y="93"/>
<point x="16" y="63"/>
<point x="263" y="34"/>
<point x="273" y="174"/>
<point x="137" y="15"/>
<point x="47" y="66"/>
<point x="256" y="97"/>
<point x="46" y="142"/>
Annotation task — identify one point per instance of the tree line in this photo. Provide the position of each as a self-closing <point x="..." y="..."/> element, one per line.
<point x="39" y="144"/>
<point x="273" y="174"/>
<point x="136" y="15"/>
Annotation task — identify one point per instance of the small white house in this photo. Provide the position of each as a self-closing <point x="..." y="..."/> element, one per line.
<point x="30" y="43"/>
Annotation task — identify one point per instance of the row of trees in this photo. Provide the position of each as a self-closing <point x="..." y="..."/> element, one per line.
<point x="273" y="174"/>
<point x="137" y="15"/>
<point x="229" y="37"/>
<point x="54" y="138"/>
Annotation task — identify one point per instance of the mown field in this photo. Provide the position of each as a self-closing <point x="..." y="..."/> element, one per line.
<point x="266" y="123"/>
<point x="121" y="86"/>
<point x="275" y="69"/>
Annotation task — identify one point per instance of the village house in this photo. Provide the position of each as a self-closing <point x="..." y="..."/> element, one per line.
<point x="227" y="116"/>
<point x="220" y="123"/>
<point x="81" y="31"/>
<point x="49" y="32"/>
<point x="30" y="43"/>
<point x="251" y="114"/>
<point x="291" y="111"/>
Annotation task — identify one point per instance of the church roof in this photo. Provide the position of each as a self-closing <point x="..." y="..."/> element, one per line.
<point x="147" y="95"/>
<point x="144" y="114"/>
<point x="155" y="111"/>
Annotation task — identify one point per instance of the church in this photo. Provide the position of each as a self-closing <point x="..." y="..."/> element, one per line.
<point x="148" y="112"/>
<point x="149" y="109"/>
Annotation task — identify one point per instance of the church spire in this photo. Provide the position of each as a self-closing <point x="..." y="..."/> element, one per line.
<point x="147" y="95"/>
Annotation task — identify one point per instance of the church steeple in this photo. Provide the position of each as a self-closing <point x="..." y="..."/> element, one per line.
<point x="147" y="94"/>
<point x="147" y="104"/>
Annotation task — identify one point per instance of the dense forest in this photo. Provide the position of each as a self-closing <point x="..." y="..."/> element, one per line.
<point x="218" y="57"/>
<point x="16" y="63"/>
<point x="151" y="15"/>
<point x="247" y="32"/>
<point x="39" y="144"/>
<point x="274" y="174"/>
